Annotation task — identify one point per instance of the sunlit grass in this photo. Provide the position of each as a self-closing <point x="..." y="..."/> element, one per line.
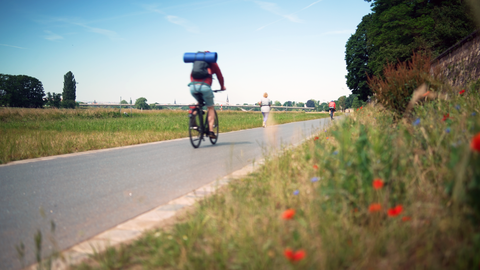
<point x="423" y="164"/>
<point x="32" y="133"/>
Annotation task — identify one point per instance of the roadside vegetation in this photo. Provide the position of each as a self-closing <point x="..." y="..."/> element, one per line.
<point x="376" y="191"/>
<point x="31" y="133"/>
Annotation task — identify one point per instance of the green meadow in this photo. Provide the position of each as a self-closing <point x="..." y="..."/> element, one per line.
<point x="33" y="133"/>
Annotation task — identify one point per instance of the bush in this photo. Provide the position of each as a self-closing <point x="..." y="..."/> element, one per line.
<point x="395" y="89"/>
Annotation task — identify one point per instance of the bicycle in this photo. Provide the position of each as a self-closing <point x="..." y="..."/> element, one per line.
<point x="198" y="126"/>
<point x="332" y="110"/>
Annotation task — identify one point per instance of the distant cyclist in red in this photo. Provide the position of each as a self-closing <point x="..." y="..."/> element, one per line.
<point x="332" y="107"/>
<point x="201" y="89"/>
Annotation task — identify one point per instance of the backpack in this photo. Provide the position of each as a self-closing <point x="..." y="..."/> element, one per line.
<point x="200" y="69"/>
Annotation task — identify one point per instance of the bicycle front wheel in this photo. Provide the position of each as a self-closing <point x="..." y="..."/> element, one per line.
<point x="195" y="130"/>
<point x="215" y="128"/>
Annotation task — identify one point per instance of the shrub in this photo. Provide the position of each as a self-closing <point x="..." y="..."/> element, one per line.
<point x="395" y="89"/>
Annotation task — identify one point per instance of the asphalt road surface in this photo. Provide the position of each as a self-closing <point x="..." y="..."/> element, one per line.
<point x="87" y="193"/>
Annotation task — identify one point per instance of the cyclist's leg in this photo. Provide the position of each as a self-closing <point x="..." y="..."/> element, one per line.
<point x="211" y="118"/>
<point x="207" y="95"/>
<point x="195" y="92"/>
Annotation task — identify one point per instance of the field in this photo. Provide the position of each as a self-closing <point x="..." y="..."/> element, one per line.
<point x="32" y="133"/>
<point x="372" y="192"/>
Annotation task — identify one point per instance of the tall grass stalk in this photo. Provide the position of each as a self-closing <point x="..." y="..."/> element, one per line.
<point x="419" y="162"/>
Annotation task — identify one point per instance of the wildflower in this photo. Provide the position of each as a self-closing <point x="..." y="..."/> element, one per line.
<point x="316" y="138"/>
<point x="296" y="192"/>
<point x="426" y="94"/>
<point x="406" y="218"/>
<point x="335" y="153"/>
<point x="315" y="167"/>
<point x="457" y="107"/>
<point x="475" y="144"/>
<point x="417" y="122"/>
<point x="445" y="117"/>
<point x="395" y="211"/>
<point x="288" y="214"/>
<point x="462" y="92"/>
<point x="447" y="130"/>
<point x="294" y="256"/>
<point x="474" y="113"/>
<point x="327" y="138"/>
<point x="374" y="207"/>
<point x="314" y="179"/>
<point x="377" y="183"/>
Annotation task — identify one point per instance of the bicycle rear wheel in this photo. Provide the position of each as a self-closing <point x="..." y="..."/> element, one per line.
<point x="195" y="129"/>
<point x="215" y="128"/>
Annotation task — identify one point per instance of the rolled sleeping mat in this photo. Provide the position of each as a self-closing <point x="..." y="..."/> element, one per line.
<point x="209" y="57"/>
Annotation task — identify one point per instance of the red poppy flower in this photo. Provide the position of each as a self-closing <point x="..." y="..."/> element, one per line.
<point x="374" y="207"/>
<point x="377" y="183"/>
<point x="316" y="138"/>
<point x="462" y="92"/>
<point x="288" y="214"/>
<point x="406" y="218"/>
<point x="315" y="167"/>
<point x="445" y="116"/>
<point x="294" y="255"/>
<point x="475" y="144"/>
<point x="361" y="107"/>
<point x="395" y="211"/>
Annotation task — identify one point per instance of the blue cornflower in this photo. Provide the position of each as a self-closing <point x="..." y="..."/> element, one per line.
<point x="296" y="192"/>
<point x="474" y="113"/>
<point x="417" y="122"/>
<point x="457" y="107"/>
<point x="314" y="179"/>
<point x="335" y="153"/>
<point x="447" y="130"/>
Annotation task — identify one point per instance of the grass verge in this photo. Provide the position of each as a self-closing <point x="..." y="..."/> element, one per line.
<point x="369" y="193"/>
<point x="32" y="133"/>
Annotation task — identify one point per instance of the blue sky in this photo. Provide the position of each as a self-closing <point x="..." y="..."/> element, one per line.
<point x="293" y="50"/>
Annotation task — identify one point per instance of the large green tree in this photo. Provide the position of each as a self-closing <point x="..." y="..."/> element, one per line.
<point x="141" y="103"/>
<point x="395" y="29"/>
<point x="21" y="91"/>
<point x="69" y="90"/>
<point x="357" y="59"/>
<point x="341" y="102"/>
<point x="310" y="103"/>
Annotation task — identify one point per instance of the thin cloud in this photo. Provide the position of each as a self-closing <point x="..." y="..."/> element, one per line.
<point x="77" y="22"/>
<point x="6" y="45"/>
<point x="275" y="9"/>
<point x="183" y="23"/>
<point x="272" y="7"/>
<point x="52" y="36"/>
<point x="175" y="19"/>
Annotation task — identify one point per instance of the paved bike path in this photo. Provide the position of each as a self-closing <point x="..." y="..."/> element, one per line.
<point x="88" y="193"/>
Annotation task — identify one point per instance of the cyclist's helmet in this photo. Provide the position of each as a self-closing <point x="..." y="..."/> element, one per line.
<point x="332" y="100"/>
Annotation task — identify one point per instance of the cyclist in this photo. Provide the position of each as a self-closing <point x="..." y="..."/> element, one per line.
<point x="201" y="89"/>
<point x="332" y="108"/>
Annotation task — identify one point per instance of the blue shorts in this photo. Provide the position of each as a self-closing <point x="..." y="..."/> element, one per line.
<point x="202" y="92"/>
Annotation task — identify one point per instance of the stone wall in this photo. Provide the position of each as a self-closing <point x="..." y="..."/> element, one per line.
<point x="460" y="64"/>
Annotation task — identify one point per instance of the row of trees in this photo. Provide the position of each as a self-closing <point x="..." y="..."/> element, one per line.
<point x="395" y="29"/>
<point x="27" y="92"/>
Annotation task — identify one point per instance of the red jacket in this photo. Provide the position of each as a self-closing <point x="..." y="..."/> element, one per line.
<point x="332" y="104"/>
<point x="214" y="69"/>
